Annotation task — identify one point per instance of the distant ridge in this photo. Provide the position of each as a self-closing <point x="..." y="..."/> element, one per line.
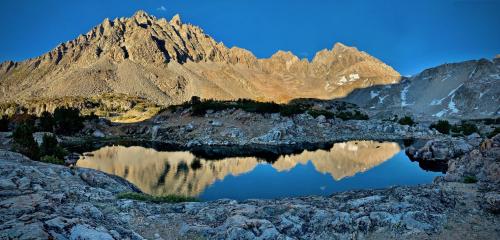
<point x="469" y="89"/>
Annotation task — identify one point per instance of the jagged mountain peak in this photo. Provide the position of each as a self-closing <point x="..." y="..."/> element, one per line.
<point x="141" y="13"/>
<point x="176" y="20"/>
<point x="169" y="61"/>
<point x="338" y="46"/>
<point x="284" y="55"/>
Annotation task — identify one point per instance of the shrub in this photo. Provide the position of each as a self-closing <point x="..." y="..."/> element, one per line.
<point x="290" y="110"/>
<point x="201" y="108"/>
<point x="342" y="106"/>
<point x="466" y="128"/>
<point x="406" y="120"/>
<point x="52" y="159"/>
<point x="24" y="142"/>
<point x="50" y="147"/>
<point x="344" y="115"/>
<point x="46" y="122"/>
<point x="4" y="123"/>
<point x="195" y="100"/>
<point x="408" y="142"/>
<point x="357" y="115"/>
<point x="24" y="118"/>
<point x="360" y="116"/>
<point x="491" y="121"/>
<point x="156" y="199"/>
<point x="315" y="113"/>
<point x="469" y="128"/>
<point x="470" y="179"/>
<point x="91" y="116"/>
<point x="257" y="107"/>
<point x="442" y="126"/>
<point x="68" y="120"/>
<point x="494" y="132"/>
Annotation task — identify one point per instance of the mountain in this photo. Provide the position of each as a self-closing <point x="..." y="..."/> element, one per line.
<point x="467" y="89"/>
<point x="169" y="61"/>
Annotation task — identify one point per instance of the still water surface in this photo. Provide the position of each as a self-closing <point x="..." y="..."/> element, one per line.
<point x="346" y="166"/>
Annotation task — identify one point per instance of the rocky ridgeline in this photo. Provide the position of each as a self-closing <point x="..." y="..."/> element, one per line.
<point x="237" y="127"/>
<point x="454" y="90"/>
<point x="169" y="61"/>
<point x="40" y="201"/>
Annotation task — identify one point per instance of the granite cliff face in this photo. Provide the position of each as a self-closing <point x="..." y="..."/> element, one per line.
<point x="169" y="61"/>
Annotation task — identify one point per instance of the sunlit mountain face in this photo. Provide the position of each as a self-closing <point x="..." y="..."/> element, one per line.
<point x="183" y="173"/>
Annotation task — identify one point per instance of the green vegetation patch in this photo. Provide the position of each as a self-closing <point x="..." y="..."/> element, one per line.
<point x="465" y="128"/>
<point x="356" y="115"/>
<point x="52" y="159"/>
<point x="49" y="150"/>
<point x="316" y="113"/>
<point x="406" y="120"/>
<point x="24" y="142"/>
<point x="494" y="132"/>
<point x="50" y="147"/>
<point x="441" y="126"/>
<point x="68" y="121"/>
<point x="470" y="179"/>
<point x="200" y="107"/>
<point x="156" y="199"/>
<point x="112" y="106"/>
<point x="4" y="123"/>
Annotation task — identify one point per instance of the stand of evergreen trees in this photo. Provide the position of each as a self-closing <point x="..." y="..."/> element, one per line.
<point x="64" y="121"/>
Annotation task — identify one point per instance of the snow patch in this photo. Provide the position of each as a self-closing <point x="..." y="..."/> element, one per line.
<point x="473" y="72"/>
<point x="495" y="76"/>
<point x="446" y="77"/>
<point x="381" y="99"/>
<point x="353" y="77"/>
<point x="452" y="106"/>
<point x="435" y="102"/>
<point x="328" y="86"/>
<point x="440" y="113"/>
<point x="404" y="92"/>
<point x="481" y="94"/>
<point x="374" y="94"/>
<point x="342" y="80"/>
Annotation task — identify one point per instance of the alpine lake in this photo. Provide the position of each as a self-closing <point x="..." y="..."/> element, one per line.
<point x="232" y="173"/>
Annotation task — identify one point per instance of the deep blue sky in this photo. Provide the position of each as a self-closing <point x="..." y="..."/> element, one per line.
<point x="408" y="35"/>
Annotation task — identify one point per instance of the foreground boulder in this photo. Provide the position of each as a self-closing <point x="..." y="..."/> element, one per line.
<point x="441" y="150"/>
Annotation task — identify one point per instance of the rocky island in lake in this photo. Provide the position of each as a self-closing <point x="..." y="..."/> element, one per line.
<point x="148" y="128"/>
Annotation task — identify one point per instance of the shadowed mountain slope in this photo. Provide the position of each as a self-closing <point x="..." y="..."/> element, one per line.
<point x="467" y="89"/>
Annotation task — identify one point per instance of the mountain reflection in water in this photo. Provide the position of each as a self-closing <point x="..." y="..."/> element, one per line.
<point x="182" y="173"/>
